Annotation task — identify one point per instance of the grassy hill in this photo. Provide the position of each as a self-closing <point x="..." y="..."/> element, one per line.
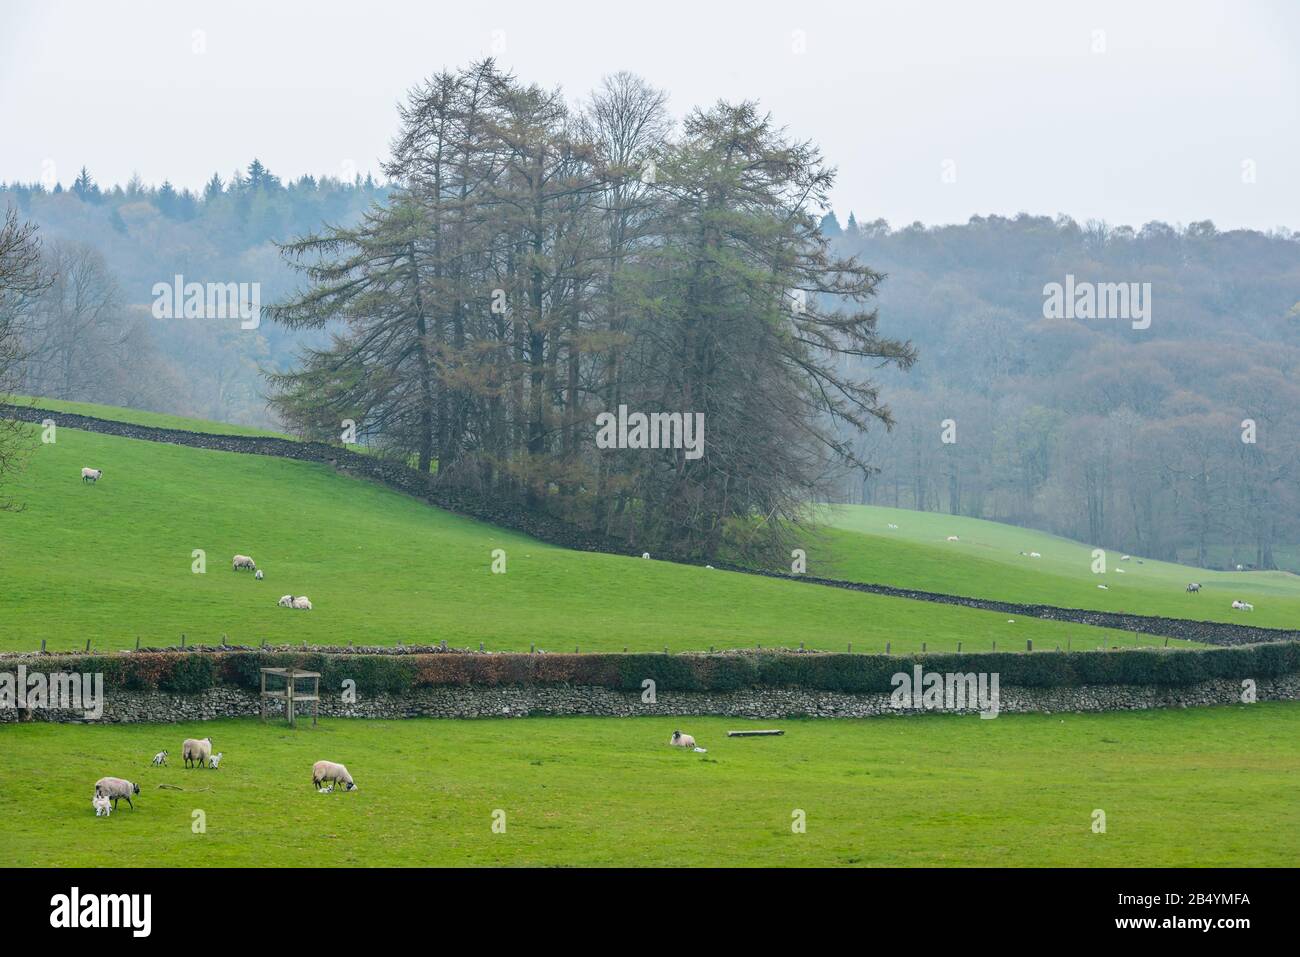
<point x="1205" y="786"/>
<point x="112" y="561"/>
<point x="986" y="563"/>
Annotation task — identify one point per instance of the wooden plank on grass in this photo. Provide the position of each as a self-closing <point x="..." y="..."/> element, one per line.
<point x="751" y="734"/>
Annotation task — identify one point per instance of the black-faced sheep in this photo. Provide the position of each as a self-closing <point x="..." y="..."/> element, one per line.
<point x="243" y="561"/>
<point x="91" y="475"/>
<point x="196" y="750"/>
<point x="1193" y="587"/>
<point x="328" y="772"/>
<point x="116" y="789"/>
<point x="680" y="740"/>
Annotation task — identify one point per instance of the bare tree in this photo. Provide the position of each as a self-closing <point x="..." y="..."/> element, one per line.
<point x="21" y="281"/>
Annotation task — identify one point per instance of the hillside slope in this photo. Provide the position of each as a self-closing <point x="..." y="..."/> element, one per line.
<point x="987" y="562"/>
<point x="112" y="562"/>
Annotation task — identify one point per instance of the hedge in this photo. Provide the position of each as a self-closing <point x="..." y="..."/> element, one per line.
<point x="195" y="671"/>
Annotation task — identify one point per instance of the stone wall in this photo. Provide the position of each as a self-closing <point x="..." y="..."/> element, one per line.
<point x="402" y="478"/>
<point x="460" y="702"/>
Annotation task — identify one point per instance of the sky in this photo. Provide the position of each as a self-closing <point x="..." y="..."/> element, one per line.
<point x="930" y="111"/>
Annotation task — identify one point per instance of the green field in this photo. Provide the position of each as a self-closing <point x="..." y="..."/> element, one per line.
<point x="986" y="563"/>
<point x="112" y="561"/>
<point x="1208" y="786"/>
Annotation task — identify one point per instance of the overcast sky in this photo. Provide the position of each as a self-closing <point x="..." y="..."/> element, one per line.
<point x="1123" y="111"/>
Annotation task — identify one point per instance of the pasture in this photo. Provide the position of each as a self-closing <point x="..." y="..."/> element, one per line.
<point x="986" y="562"/>
<point x="1198" y="787"/>
<point x="113" y="561"/>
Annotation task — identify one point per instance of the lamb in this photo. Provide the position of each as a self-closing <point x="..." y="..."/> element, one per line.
<point x="286" y="601"/>
<point x="1193" y="587"/>
<point x="328" y="771"/>
<point x="102" y="805"/>
<point x="302" y="602"/>
<point x="91" y="475"/>
<point x="680" y="740"/>
<point x="243" y="561"/>
<point x="953" y="538"/>
<point x="160" y="758"/>
<point x="258" y="574"/>
<point x="214" y="762"/>
<point x="116" y="789"/>
<point x="197" y="750"/>
<point x="1243" y="606"/>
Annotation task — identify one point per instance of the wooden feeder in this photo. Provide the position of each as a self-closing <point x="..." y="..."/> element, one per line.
<point x="289" y="694"/>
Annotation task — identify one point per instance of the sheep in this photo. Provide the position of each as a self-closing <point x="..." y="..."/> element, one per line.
<point x="242" y="561"/>
<point x="91" y="475"/>
<point x="1119" y="571"/>
<point x="1035" y="554"/>
<point x="302" y="602"/>
<point x="197" y="750"/>
<point x="116" y="789"/>
<point x="258" y="574"/>
<point x="102" y="805"/>
<point x="1243" y="606"/>
<point x="645" y="554"/>
<point x="286" y="601"/>
<point x="328" y="771"/>
<point x="1241" y="568"/>
<point x="893" y="526"/>
<point x="680" y="740"/>
<point x="1125" y="558"/>
<point x="214" y="762"/>
<point x="1104" y="587"/>
<point x="1193" y="587"/>
<point x="953" y="538"/>
<point x="160" y="759"/>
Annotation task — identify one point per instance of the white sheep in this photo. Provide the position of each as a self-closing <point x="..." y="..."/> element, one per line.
<point x="328" y="771"/>
<point x="893" y="526"/>
<point x="1104" y="587"/>
<point x="1035" y="554"/>
<point x="91" y="475"/>
<point x="302" y="602"/>
<point x="160" y="759"/>
<point x="102" y="804"/>
<point x="258" y="574"/>
<point x="116" y="789"/>
<point x="680" y="740"/>
<point x="1119" y="571"/>
<point x="242" y="561"/>
<point x="1193" y="587"/>
<point x="214" y="762"/>
<point x="286" y="601"/>
<point x="1243" y="606"/>
<point x="953" y="538"/>
<point x="197" y="750"/>
<point x="1125" y="558"/>
<point x="645" y="554"/>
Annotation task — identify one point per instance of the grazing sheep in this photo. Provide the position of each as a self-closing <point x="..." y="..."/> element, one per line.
<point x="1193" y="587"/>
<point x="1104" y="587"/>
<point x="1243" y="606"/>
<point x="102" y="805"/>
<point x="302" y="602"/>
<point x="160" y="758"/>
<point x="645" y="554"/>
<point x="953" y="538"/>
<point x="197" y="750"/>
<point x="258" y="574"/>
<point x="680" y="740"/>
<point x="91" y="475"/>
<point x="242" y="561"/>
<point x="116" y="789"/>
<point x="328" y="771"/>
<point x="214" y="762"/>
<point x="286" y="601"/>
<point x="1035" y="554"/>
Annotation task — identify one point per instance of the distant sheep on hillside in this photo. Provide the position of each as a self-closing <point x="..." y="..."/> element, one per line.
<point x="243" y="561"/>
<point x="953" y="538"/>
<point x="302" y="602"/>
<point x="286" y="601"/>
<point x="1193" y="587"/>
<point x="91" y="475"/>
<point x="1243" y="606"/>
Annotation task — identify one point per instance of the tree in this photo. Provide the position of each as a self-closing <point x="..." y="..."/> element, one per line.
<point x="21" y="281"/>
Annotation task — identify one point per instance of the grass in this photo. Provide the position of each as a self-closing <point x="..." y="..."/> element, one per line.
<point x="157" y="420"/>
<point x="987" y="563"/>
<point x="1195" y="787"/>
<point x="112" y="561"/>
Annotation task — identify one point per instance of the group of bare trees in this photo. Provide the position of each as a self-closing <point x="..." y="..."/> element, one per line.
<point x="21" y="283"/>
<point x="537" y="265"/>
